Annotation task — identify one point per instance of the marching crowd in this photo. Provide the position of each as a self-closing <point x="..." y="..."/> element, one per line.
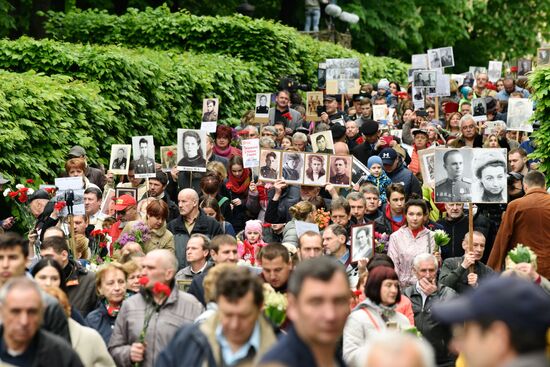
<point x="186" y="273"/>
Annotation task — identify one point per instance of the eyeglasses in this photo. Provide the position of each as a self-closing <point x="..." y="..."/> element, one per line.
<point x="468" y="127"/>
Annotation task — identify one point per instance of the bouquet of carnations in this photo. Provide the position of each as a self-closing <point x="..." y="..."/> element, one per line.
<point x="322" y="218"/>
<point x="275" y="304"/>
<point x="21" y="197"/>
<point x="441" y="239"/>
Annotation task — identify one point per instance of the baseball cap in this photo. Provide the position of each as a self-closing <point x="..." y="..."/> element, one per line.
<point x="329" y="97"/>
<point x="419" y="131"/>
<point x="388" y="156"/>
<point x="77" y="151"/>
<point x="124" y="201"/>
<point x="369" y="127"/>
<point x="513" y="300"/>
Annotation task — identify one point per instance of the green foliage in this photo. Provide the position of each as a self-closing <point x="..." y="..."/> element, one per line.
<point x="42" y="116"/>
<point x="540" y="81"/>
<point x="276" y="49"/>
<point x="7" y="23"/>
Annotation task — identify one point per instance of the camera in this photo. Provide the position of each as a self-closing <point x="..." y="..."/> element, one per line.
<point x="320" y="110"/>
<point x="292" y="84"/>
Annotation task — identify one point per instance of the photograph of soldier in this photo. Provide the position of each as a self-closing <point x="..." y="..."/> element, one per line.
<point x="447" y="58"/>
<point x="490" y="181"/>
<point x="210" y="110"/>
<point x="120" y="157"/>
<point x="314" y="101"/>
<point x="340" y="170"/>
<point x="480" y="109"/>
<point x="434" y="59"/>
<point x="191" y="149"/>
<point x="475" y="70"/>
<point x="427" y="168"/>
<point x="262" y="104"/>
<point x="316" y="169"/>
<point x="292" y="167"/>
<point x="144" y="156"/>
<point x="424" y="79"/>
<point x="362" y="246"/>
<point x="168" y="157"/>
<point x="322" y="142"/>
<point x="270" y="169"/>
<point x="453" y="183"/>
<point x="524" y="66"/>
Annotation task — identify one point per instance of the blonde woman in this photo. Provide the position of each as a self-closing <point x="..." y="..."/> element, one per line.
<point x="303" y="211"/>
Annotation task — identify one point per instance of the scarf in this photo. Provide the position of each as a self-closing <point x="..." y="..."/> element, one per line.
<point x="394" y="225"/>
<point x="222" y="152"/>
<point x="248" y="251"/>
<point x="111" y="310"/>
<point x="262" y="195"/>
<point x="239" y="185"/>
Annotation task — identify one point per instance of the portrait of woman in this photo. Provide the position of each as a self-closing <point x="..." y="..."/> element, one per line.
<point x="491" y="177"/>
<point x="192" y="153"/>
<point x="315" y="170"/>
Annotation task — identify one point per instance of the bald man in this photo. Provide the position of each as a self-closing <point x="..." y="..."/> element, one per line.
<point x="178" y="310"/>
<point x="190" y="221"/>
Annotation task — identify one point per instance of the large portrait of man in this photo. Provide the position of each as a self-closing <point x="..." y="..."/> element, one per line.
<point x="447" y="57"/>
<point x="340" y="170"/>
<point x="316" y="169"/>
<point x="144" y="156"/>
<point x="293" y="166"/>
<point x="270" y="159"/>
<point x="362" y="242"/>
<point x="120" y="159"/>
<point x="191" y="150"/>
<point x="453" y="175"/>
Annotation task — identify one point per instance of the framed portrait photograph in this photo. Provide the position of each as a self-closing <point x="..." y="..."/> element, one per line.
<point x="263" y="101"/>
<point x="168" y="157"/>
<point x="479" y="107"/>
<point x="107" y="208"/>
<point x="519" y="114"/>
<point x="191" y="152"/>
<point x="342" y="76"/>
<point x="490" y="176"/>
<point x="133" y="192"/>
<point x="524" y="66"/>
<point x="316" y="168"/>
<point x="453" y="175"/>
<point x="424" y="79"/>
<point x="494" y="71"/>
<point x="270" y="162"/>
<point x="475" y="70"/>
<point x="419" y="61"/>
<point x="120" y="158"/>
<point x="322" y="75"/>
<point x="362" y="242"/>
<point x="447" y="57"/>
<point x="314" y="101"/>
<point x="210" y="108"/>
<point x="322" y="142"/>
<point x="292" y="168"/>
<point x="427" y="166"/>
<point x="340" y="170"/>
<point x="144" y="156"/>
<point x="434" y="60"/>
<point x="543" y="56"/>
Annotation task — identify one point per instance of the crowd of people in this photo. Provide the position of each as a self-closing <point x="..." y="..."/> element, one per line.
<point x="186" y="273"/>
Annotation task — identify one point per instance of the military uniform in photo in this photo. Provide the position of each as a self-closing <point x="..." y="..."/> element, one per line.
<point x="268" y="172"/>
<point x="290" y="174"/>
<point x="342" y="179"/>
<point x="448" y="191"/>
<point x="119" y="163"/>
<point x="145" y="165"/>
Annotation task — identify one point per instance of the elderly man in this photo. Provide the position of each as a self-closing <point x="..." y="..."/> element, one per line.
<point x="480" y="89"/>
<point x="504" y="322"/>
<point x="282" y="107"/>
<point x="526" y="221"/>
<point x="43" y="210"/>
<point x="332" y="115"/>
<point x="423" y="295"/>
<point x="318" y="306"/>
<point x="454" y="272"/>
<point x="236" y="335"/>
<point x="173" y="311"/>
<point x="470" y="137"/>
<point x="23" y="343"/>
<point x="198" y="248"/>
<point x="191" y="220"/>
<point x="126" y="209"/>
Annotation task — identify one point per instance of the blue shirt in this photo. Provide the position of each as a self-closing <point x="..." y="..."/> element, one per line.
<point x="231" y="358"/>
<point x="504" y="96"/>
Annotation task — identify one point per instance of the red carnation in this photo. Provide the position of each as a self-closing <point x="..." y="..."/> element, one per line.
<point x="105" y="231"/>
<point x="24" y="190"/>
<point x="13" y="194"/>
<point x="170" y="153"/>
<point x="514" y="69"/>
<point x="102" y="244"/>
<point x="96" y="232"/>
<point x="161" y="288"/>
<point x="287" y="116"/>
<point x="60" y="205"/>
<point x="50" y="190"/>
<point x="30" y="181"/>
<point x="143" y="281"/>
<point x="23" y="198"/>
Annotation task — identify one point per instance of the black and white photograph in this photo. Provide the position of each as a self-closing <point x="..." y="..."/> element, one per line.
<point x="262" y="104"/>
<point x="168" y="157"/>
<point x="108" y="204"/>
<point x="427" y="166"/>
<point x="519" y="113"/>
<point x="524" y="66"/>
<point x="144" y="156"/>
<point x="340" y="170"/>
<point x="494" y="71"/>
<point x="443" y="85"/>
<point x="133" y="192"/>
<point x="362" y="242"/>
<point x="293" y="167"/>
<point x="342" y="76"/>
<point x="447" y="57"/>
<point x="543" y="56"/>
<point x="71" y="191"/>
<point x="490" y="176"/>
<point x="191" y="150"/>
<point x="359" y="172"/>
<point x="475" y="70"/>
<point x="479" y="107"/>
<point x="314" y="102"/>
<point x="424" y="79"/>
<point x="434" y="59"/>
<point x="322" y="75"/>
<point x="322" y="142"/>
<point x="210" y="109"/>
<point x="418" y="98"/>
<point x="120" y="158"/>
<point x="270" y="161"/>
<point x="419" y="61"/>
<point x="316" y="169"/>
<point x="453" y="175"/>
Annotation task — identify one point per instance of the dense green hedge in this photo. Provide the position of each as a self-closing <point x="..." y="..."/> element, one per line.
<point x="276" y="49"/>
<point x="540" y="81"/>
<point x="153" y="92"/>
<point x="42" y="117"/>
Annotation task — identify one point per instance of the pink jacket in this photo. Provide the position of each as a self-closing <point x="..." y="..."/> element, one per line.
<point x="403" y="248"/>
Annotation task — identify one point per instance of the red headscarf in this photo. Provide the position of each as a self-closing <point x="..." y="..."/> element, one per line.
<point x="239" y="185"/>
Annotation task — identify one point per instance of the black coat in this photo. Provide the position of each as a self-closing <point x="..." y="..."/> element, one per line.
<point x="363" y="152"/>
<point x="100" y="320"/>
<point x="278" y="211"/>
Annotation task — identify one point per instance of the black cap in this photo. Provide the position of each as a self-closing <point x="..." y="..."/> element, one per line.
<point x="419" y="131"/>
<point x="338" y="131"/>
<point x="39" y="194"/>
<point x="388" y="156"/>
<point x="329" y="97"/>
<point x="369" y="127"/>
<point x="421" y="112"/>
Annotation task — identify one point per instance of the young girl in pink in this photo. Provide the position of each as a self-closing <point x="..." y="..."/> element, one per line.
<point x="253" y="242"/>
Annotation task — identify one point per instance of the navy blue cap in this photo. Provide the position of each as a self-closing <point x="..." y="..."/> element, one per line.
<point x="388" y="156"/>
<point x="515" y="301"/>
